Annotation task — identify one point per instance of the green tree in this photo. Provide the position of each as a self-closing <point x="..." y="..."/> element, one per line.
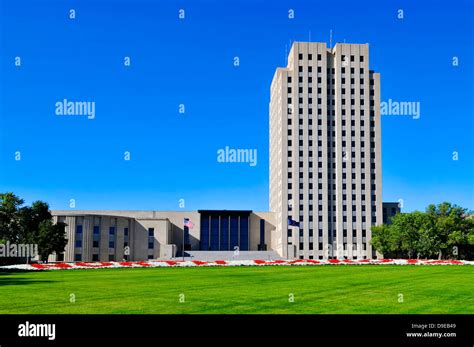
<point x="30" y="225"/>
<point x="384" y="239"/>
<point x="50" y="238"/>
<point x="10" y="220"/>
<point x="443" y="231"/>
<point x="454" y="227"/>
<point x="407" y="227"/>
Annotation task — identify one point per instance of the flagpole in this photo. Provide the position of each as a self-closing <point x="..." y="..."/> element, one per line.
<point x="184" y="226"/>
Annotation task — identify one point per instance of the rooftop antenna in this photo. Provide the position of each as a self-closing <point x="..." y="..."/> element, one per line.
<point x="330" y="38"/>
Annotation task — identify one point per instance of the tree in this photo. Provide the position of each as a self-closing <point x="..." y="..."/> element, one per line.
<point x="50" y="238"/>
<point x="10" y="224"/>
<point x="444" y="230"/>
<point x="30" y="225"/>
<point x="454" y="227"/>
<point x="383" y="239"/>
<point x="407" y="226"/>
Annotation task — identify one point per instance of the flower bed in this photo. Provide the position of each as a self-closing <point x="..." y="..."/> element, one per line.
<point x="258" y="262"/>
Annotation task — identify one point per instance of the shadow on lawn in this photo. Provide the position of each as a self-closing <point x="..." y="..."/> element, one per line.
<point x="14" y="278"/>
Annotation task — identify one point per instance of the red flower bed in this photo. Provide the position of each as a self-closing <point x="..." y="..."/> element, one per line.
<point x="334" y="261"/>
<point x="259" y="261"/>
<point x="220" y="262"/>
<point x="171" y="262"/>
<point x="126" y="263"/>
<point x="82" y="263"/>
<point x="445" y="261"/>
<point x="106" y="263"/>
<point x="312" y="261"/>
<point x="364" y="260"/>
<point x="296" y="261"/>
<point x="277" y="262"/>
<point x="412" y="261"/>
<point x="385" y="260"/>
<point x="38" y="266"/>
<point x="198" y="262"/>
<point x="62" y="265"/>
<point x="454" y="261"/>
<point x="143" y="263"/>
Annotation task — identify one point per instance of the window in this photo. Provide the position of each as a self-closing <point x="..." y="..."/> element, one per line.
<point x="262" y="234"/>
<point x="95" y="257"/>
<point x="151" y="245"/>
<point x="96" y="236"/>
<point x="310" y="57"/>
<point x="234" y="231"/>
<point x="79" y="235"/>
<point x="204" y="233"/>
<point x="214" y="233"/>
<point x="77" y="257"/>
<point x="319" y="56"/>
<point x="151" y="232"/>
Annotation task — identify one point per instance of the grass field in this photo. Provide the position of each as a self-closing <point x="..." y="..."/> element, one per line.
<point x="316" y="289"/>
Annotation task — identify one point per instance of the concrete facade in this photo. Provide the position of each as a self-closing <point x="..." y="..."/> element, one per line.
<point x="140" y="235"/>
<point x="325" y="152"/>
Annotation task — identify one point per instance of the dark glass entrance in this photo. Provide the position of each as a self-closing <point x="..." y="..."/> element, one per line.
<point x="223" y="230"/>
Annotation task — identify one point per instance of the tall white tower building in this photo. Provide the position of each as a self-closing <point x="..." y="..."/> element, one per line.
<point x="325" y="152"/>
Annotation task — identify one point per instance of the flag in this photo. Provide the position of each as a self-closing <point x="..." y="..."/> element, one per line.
<point x="188" y="223"/>
<point x="293" y="222"/>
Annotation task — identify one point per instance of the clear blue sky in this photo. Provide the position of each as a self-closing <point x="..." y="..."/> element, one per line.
<point x="190" y="61"/>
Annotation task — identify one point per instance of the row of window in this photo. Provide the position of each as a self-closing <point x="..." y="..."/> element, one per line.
<point x="331" y="91"/>
<point x="330" y="81"/>
<point x="344" y="219"/>
<point x="320" y="196"/>
<point x="319" y="57"/>
<point x="320" y="246"/>
<point x="319" y="70"/>
<point x="112" y="241"/>
<point x="96" y="237"/>
<point x="331" y="112"/>
<point x="333" y="123"/>
<point x="320" y="233"/>
<point x="321" y="257"/>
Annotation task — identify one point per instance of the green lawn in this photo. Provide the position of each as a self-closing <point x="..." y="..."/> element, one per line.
<point x="316" y="289"/>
